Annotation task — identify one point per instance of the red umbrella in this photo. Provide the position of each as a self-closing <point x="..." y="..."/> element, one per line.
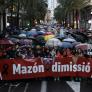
<point x="48" y="33"/>
<point x="6" y="42"/>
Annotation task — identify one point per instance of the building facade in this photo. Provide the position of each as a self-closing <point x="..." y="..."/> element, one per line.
<point x="52" y="4"/>
<point x="86" y="15"/>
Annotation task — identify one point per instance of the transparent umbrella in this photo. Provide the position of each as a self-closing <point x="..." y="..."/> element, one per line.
<point x="83" y="46"/>
<point x="22" y="35"/>
<point x="69" y="40"/>
<point x="53" y="42"/>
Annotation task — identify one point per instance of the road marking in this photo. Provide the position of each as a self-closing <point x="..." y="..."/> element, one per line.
<point x="25" y="90"/>
<point x="9" y="90"/>
<point x="44" y="86"/>
<point x="13" y="85"/>
<point x="74" y="85"/>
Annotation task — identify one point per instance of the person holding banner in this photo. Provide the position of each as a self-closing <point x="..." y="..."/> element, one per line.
<point x="84" y="62"/>
<point x="53" y="54"/>
<point x="58" y="56"/>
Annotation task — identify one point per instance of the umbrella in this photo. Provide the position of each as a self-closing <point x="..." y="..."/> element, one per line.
<point x="69" y="40"/>
<point x="26" y="46"/>
<point x="6" y="42"/>
<point x="28" y="42"/>
<point x="40" y="38"/>
<point x="22" y="35"/>
<point x="32" y="32"/>
<point x="82" y="34"/>
<point x="21" y="42"/>
<point x="25" y="42"/>
<point x="83" y="46"/>
<point x="53" y="42"/>
<point x="14" y="40"/>
<point x="48" y="33"/>
<point x="40" y="32"/>
<point x="60" y="38"/>
<point x="47" y="37"/>
<point x="75" y="43"/>
<point x="66" y="45"/>
<point x="23" y="32"/>
<point x="77" y="37"/>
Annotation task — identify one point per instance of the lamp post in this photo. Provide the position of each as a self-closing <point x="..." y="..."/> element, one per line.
<point x="90" y="22"/>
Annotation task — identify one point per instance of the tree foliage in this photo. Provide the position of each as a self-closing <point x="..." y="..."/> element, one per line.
<point x="34" y="9"/>
<point x="66" y="6"/>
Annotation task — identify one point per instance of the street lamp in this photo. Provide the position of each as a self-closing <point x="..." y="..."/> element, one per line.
<point x="91" y="12"/>
<point x="90" y="22"/>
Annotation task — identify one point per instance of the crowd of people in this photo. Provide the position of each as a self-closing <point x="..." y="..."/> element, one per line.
<point x="17" y="51"/>
<point x="12" y="52"/>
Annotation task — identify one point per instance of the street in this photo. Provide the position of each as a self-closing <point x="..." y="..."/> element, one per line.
<point x="46" y="86"/>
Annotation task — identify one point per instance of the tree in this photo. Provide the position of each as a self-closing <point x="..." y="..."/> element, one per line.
<point x="31" y="10"/>
<point x="72" y="6"/>
<point x="59" y="14"/>
<point x="3" y="6"/>
<point x="35" y="10"/>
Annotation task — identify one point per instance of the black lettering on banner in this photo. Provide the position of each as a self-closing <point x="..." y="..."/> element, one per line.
<point x="5" y="69"/>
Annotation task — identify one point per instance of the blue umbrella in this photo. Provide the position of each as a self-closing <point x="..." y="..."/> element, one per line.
<point x="31" y="33"/>
<point x="40" y="33"/>
<point x="66" y="45"/>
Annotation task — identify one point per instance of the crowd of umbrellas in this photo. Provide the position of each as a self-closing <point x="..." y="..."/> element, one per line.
<point x="49" y="39"/>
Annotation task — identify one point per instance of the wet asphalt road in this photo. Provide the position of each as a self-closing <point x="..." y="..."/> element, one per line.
<point x="46" y="86"/>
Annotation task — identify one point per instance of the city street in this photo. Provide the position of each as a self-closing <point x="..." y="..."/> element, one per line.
<point x="45" y="45"/>
<point x="46" y="86"/>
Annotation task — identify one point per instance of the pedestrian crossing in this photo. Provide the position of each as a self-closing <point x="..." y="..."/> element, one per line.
<point x="41" y="86"/>
<point x="44" y="86"/>
<point x="74" y="85"/>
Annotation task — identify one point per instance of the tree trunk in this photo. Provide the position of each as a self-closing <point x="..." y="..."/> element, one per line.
<point x="1" y="23"/>
<point x="77" y="18"/>
<point x="73" y="18"/>
<point x="18" y="14"/>
<point x="66" y="21"/>
<point x="70" y="19"/>
<point x="32" y="24"/>
<point x="38" y="21"/>
<point x="4" y="21"/>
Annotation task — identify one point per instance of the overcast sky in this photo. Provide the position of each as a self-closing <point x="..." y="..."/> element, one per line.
<point x="52" y="4"/>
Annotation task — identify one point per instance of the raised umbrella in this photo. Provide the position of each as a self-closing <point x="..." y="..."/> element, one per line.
<point x="53" y="42"/>
<point x="22" y="35"/>
<point x="66" y="45"/>
<point x="6" y="42"/>
<point x="83" y="46"/>
<point x="69" y="40"/>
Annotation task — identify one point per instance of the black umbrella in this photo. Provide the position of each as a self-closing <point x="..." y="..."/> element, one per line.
<point x="78" y="38"/>
<point x="83" y="35"/>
